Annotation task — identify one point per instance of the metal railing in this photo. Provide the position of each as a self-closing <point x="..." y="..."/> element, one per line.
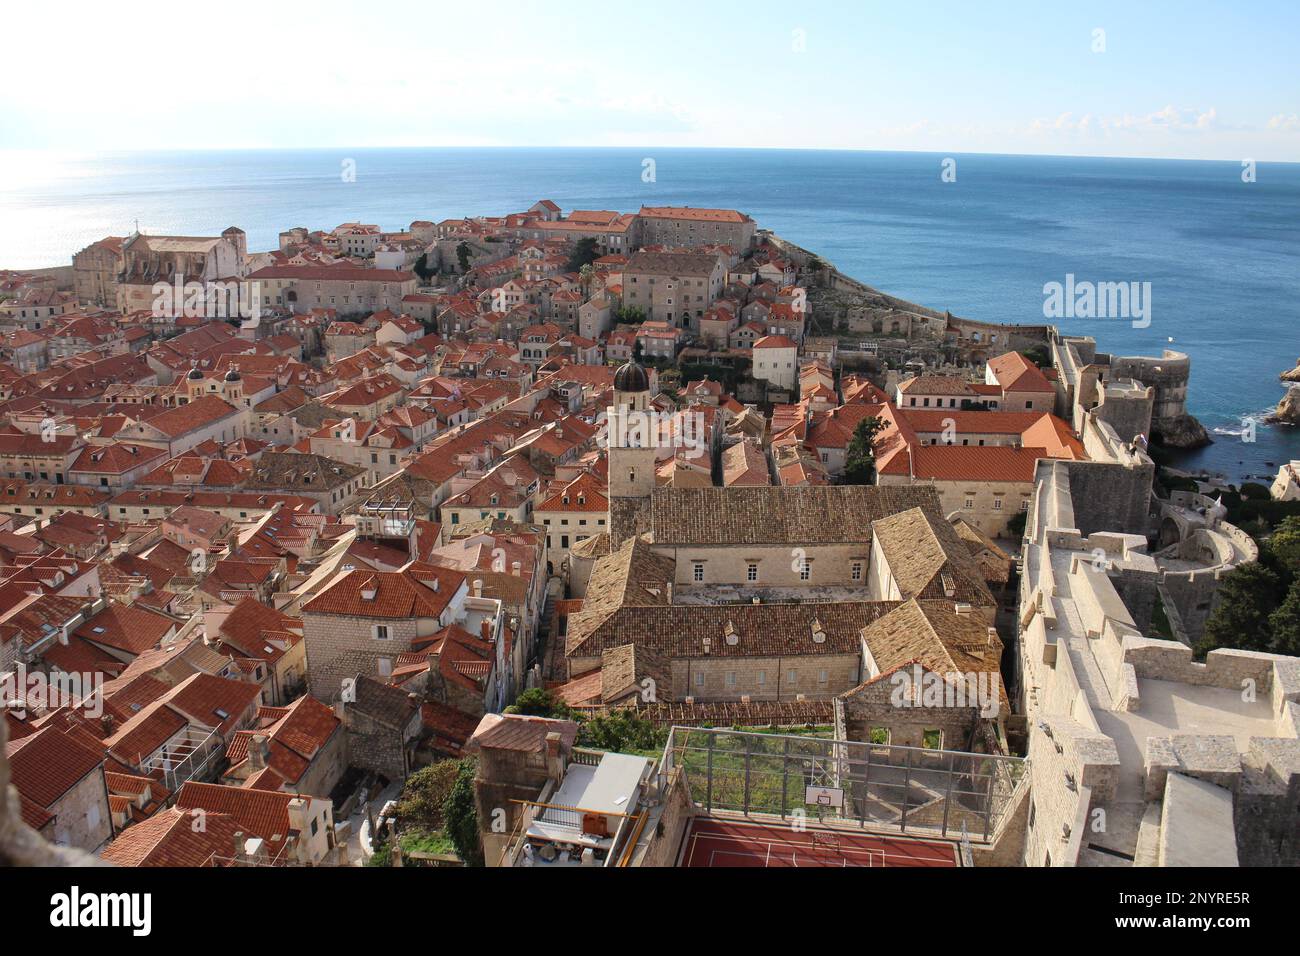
<point x="573" y="819"/>
<point x="910" y="789"/>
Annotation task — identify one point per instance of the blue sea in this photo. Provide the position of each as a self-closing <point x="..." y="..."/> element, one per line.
<point x="1222" y="255"/>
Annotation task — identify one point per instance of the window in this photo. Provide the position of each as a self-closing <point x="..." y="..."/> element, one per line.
<point x="751" y="572"/>
<point x="698" y="572"/>
<point x="805" y="570"/>
<point x="855" y="571"/>
<point x="381" y="632"/>
<point x="792" y="676"/>
<point x="761" y="678"/>
<point x="822" y="676"/>
<point x="970" y="504"/>
<point x="699" y="678"/>
<point x="385" y="666"/>
<point x="731" y="678"/>
<point x="997" y="504"/>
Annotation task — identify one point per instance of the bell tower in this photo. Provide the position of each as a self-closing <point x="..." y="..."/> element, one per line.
<point x="632" y="437"/>
<point x="232" y="386"/>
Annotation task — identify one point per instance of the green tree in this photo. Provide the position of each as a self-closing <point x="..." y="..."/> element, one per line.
<point x="584" y="254"/>
<point x="1039" y="355"/>
<point x="1285" y="544"/>
<point x="860" y="458"/>
<point x="539" y="702"/>
<point x="461" y="815"/>
<point x="421" y="268"/>
<point x="1248" y="596"/>
<point x="621" y="731"/>
<point x="1285" y="623"/>
<point x="462" y="256"/>
<point x="630" y="315"/>
<point x="421" y="805"/>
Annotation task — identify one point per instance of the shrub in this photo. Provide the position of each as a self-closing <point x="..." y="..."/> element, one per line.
<point x="461" y="815"/>
<point x="421" y="805"/>
<point x="621" y="731"/>
<point x="539" y="702"/>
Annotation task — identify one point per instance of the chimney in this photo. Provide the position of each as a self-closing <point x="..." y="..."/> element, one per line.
<point x="238" y="848"/>
<point x="478" y="587"/>
<point x="516" y="568"/>
<point x="298" y="817"/>
<point x="255" y="850"/>
<point x="554" y="758"/>
<point x="485" y="629"/>
<point x="258" y="752"/>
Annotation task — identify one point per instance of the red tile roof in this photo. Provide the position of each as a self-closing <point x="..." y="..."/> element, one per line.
<point x="169" y="838"/>
<point x="1015" y="373"/>
<point x="420" y="590"/>
<point x="992" y="463"/>
<point x="49" y="763"/>
<point x="125" y="628"/>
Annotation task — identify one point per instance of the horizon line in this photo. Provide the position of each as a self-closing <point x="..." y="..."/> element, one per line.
<point x="74" y="152"/>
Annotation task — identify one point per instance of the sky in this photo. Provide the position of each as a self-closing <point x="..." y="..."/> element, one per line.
<point x="1183" y="79"/>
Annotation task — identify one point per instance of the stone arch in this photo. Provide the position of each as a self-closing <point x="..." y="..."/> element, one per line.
<point x="1171" y="532"/>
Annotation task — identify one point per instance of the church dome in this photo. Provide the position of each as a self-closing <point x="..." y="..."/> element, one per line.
<point x="194" y="374"/>
<point x="232" y="375"/>
<point x="631" y="378"/>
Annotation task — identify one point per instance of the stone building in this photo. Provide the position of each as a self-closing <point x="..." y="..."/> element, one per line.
<point x="686" y="226"/>
<point x="363" y="621"/>
<point x="1140" y="755"/>
<point x="519" y="758"/>
<point x="347" y="290"/>
<point x="149" y="260"/>
<point x="95" y="270"/>
<point x="890" y="709"/>
<point x="383" y="727"/>
<point x="61" y="788"/>
<point x="673" y="287"/>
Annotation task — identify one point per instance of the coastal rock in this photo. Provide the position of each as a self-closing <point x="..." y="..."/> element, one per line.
<point x="1288" y="410"/>
<point x="1293" y="375"/>
<point x="1183" y="432"/>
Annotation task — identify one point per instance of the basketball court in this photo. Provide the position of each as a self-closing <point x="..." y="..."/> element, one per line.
<point x="728" y="843"/>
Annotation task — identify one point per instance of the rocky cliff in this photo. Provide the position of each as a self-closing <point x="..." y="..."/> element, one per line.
<point x="1181" y="432"/>
<point x="1288" y="410"/>
<point x="1293" y="375"/>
